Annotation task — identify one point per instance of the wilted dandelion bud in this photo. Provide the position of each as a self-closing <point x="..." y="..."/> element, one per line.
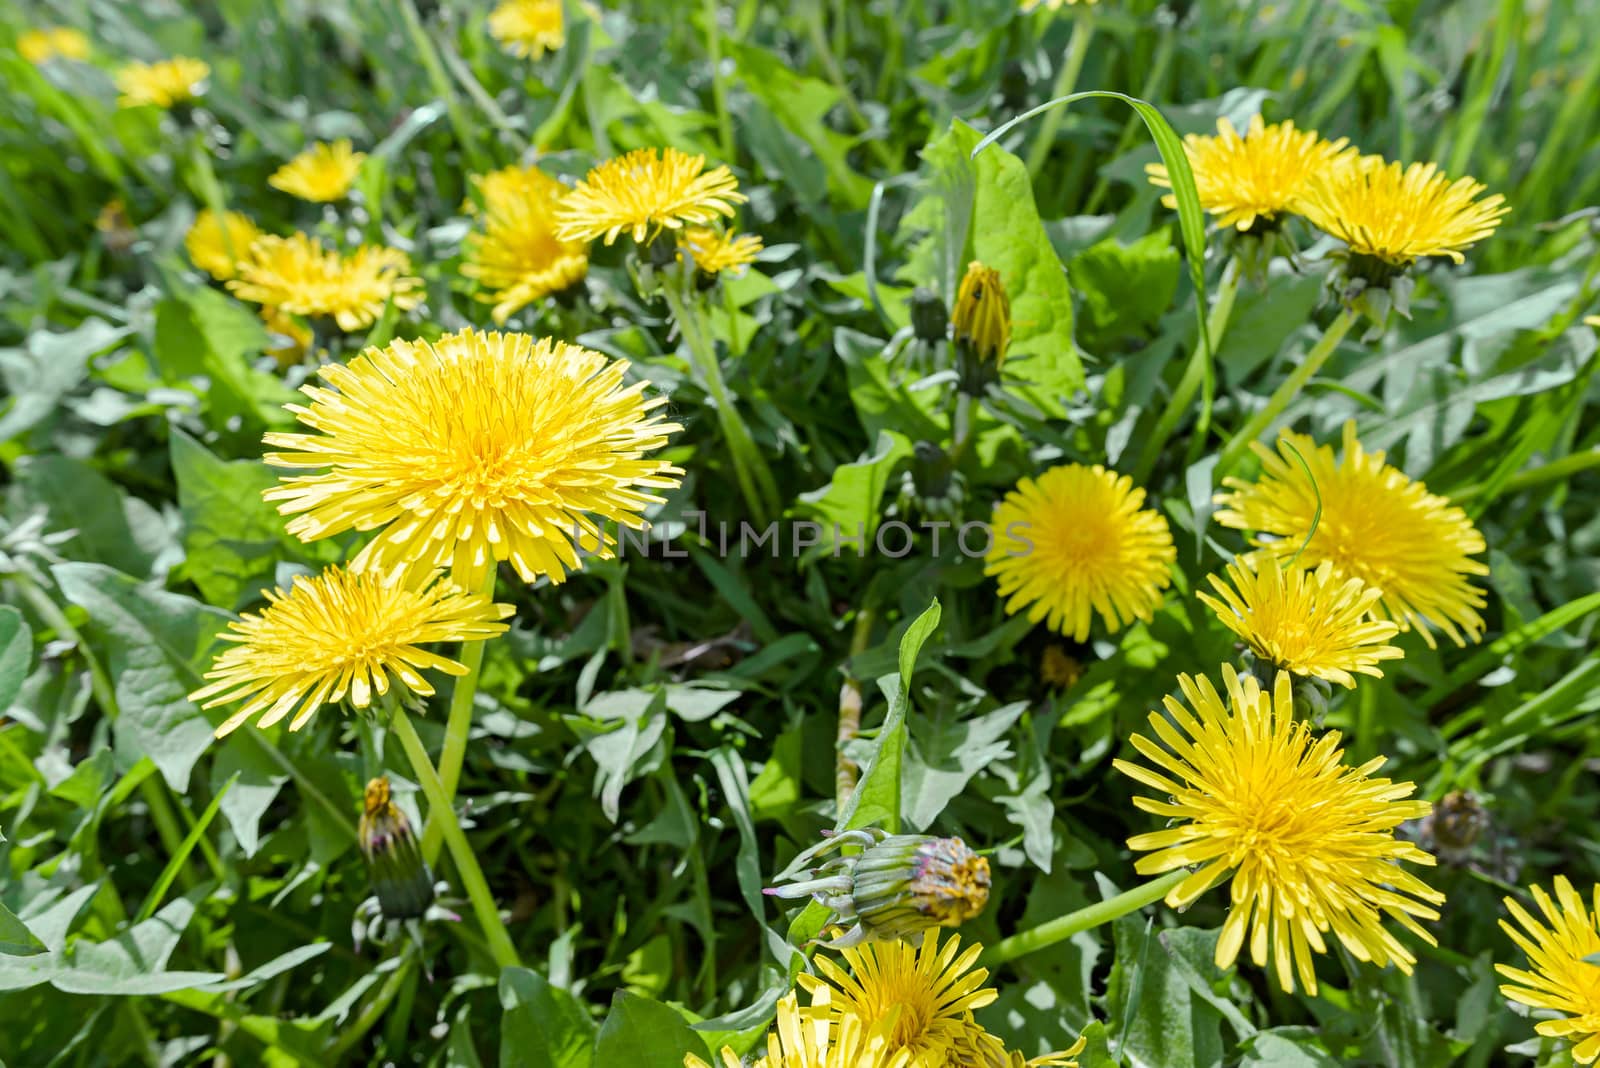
<point x="1059" y="669"/>
<point x="981" y="324"/>
<point x="400" y="877"/>
<point x="930" y="319"/>
<point x="897" y="885"/>
<point x="1454" y="826"/>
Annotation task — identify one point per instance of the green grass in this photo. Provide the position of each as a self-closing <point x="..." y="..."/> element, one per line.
<point x="656" y="738"/>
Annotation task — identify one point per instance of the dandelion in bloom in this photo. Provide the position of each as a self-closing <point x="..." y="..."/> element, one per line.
<point x="163" y="84"/>
<point x="56" y="42"/>
<point x="1394" y="215"/>
<point x="291" y="339"/>
<point x="1312" y="623"/>
<point x="476" y="448"/>
<point x="1075" y="542"/>
<point x="815" y="1037"/>
<point x="297" y="275"/>
<point x="921" y="997"/>
<point x="321" y="174"/>
<point x="1249" y="794"/>
<point x="517" y="256"/>
<point x="1053" y="5"/>
<point x="1561" y="976"/>
<point x="1592" y="320"/>
<point x="343" y="635"/>
<point x="1376" y="525"/>
<point x="714" y="252"/>
<point x="1255" y="178"/>
<point x="528" y="28"/>
<point x="217" y="243"/>
<point x="644" y="192"/>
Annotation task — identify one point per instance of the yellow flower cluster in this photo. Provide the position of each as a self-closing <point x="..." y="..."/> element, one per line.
<point x="892" y="1004"/>
<point x="517" y="257"/>
<point x="1378" y="208"/>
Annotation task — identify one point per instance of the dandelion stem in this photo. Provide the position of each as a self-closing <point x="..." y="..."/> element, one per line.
<point x="1287" y="392"/>
<point x="457" y="728"/>
<point x="442" y="812"/>
<point x="755" y="478"/>
<point x="719" y="82"/>
<point x="1066" y="82"/>
<point x="1193" y="375"/>
<point x="1090" y="916"/>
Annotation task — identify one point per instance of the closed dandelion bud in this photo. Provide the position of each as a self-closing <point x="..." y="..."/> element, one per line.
<point x="897" y="885"/>
<point x="1059" y="669"/>
<point x="930" y="320"/>
<point x="981" y="324"/>
<point x="1454" y="826"/>
<point x="400" y="877"/>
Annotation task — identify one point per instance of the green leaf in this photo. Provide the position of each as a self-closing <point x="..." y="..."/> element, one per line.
<point x="132" y="963"/>
<point x="848" y="506"/>
<point x="946" y="753"/>
<point x="16" y="654"/>
<point x="243" y="759"/>
<point x="1125" y="288"/>
<point x="232" y="538"/>
<point x="47" y="368"/>
<point x="110" y="527"/>
<point x="543" y="1026"/>
<point x="641" y="1033"/>
<point x="1291" y="1047"/>
<point x="156" y="643"/>
<point x="876" y="800"/>
<point x="1161" y="1021"/>
<point x="15" y="938"/>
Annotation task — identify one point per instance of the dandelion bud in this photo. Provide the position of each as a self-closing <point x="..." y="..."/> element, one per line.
<point x="897" y="885"/>
<point x="930" y="320"/>
<point x="1059" y="669"/>
<point x="982" y="326"/>
<point x="1454" y="826"/>
<point x="400" y="877"/>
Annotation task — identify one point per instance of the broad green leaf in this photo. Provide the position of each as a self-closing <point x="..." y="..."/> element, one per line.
<point x="946" y="752"/>
<point x="155" y="645"/>
<point x="641" y="1033"/>
<point x="1125" y="289"/>
<point x="257" y="780"/>
<point x="15" y="938"/>
<point x="848" y="506"/>
<point x="1161" y="1022"/>
<point x="16" y="653"/>
<point x="543" y="1026"/>
<point x="1290" y="1047"/>
<point x="232" y="538"/>
<point x="45" y="369"/>
<point x="132" y="963"/>
<point x="111" y="528"/>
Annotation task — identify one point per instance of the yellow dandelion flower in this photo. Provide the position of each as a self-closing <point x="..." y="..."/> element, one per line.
<point x="643" y="192"/>
<point x="528" y="28"/>
<point x="1054" y="5"/>
<point x="1074" y="540"/>
<point x="815" y="1037"/>
<point x="1261" y="175"/>
<point x="296" y="274"/>
<point x="1592" y="320"/>
<point x="920" y="996"/>
<point x="55" y="42"/>
<point x="714" y="252"/>
<point x="341" y="636"/>
<point x="1377" y="525"/>
<point x="163" y="84"/>
<point x="321" y="174"/>
<point x="1249" y="793"/>
<point x="1306" y="622"/>
<point x="517" y="256"/>
<point x="476" y="448"/>
<point x="216" y="244"/>
<point x="982" y="315"/>
<point x="1560" y="975"/>
<point x="1398" y="215"/>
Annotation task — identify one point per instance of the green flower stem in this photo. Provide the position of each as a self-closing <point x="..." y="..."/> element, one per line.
<point x="442" y="811"/>
<point x="1286" y="393"/>
<point x="1193" y="375"/>
<point x="1090" y="916"/>
<point x="830" y="63"/>
<point x="1066" y="82"/>
<point x="357" y="1029"/>
<point x="457" y="729"/>
<point x="755" y="478"/>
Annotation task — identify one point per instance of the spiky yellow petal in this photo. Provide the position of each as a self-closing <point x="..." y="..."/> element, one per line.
<point x="646" y="191"/>
<point x="528" y="28"/>
<point x="163" y="84"/>
<point x="516" y="256"/>
<point x="714" y="252"/>
<point x="217" y="244"/>
<point x="1561" y="976"/>
<point x="296" y="274"/>
<point x="1397" y="214"/>
<point x="321" y="174"/>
